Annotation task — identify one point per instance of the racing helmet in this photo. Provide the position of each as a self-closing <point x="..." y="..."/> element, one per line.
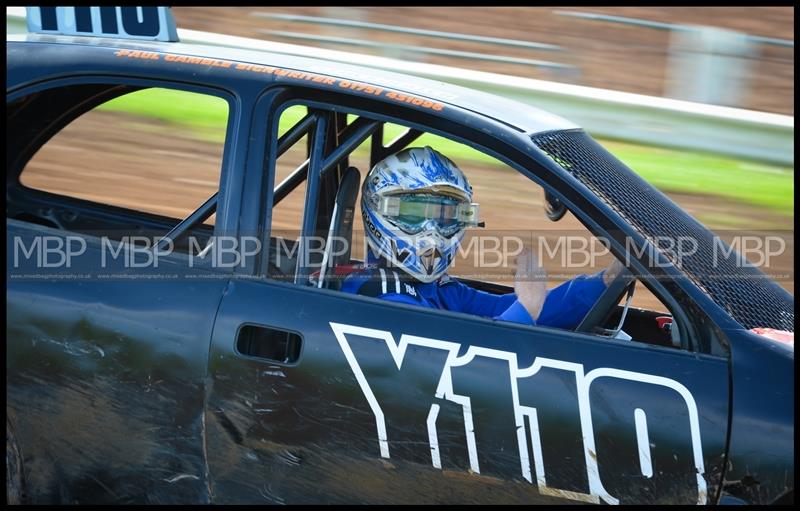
<point x="416" y="206"/>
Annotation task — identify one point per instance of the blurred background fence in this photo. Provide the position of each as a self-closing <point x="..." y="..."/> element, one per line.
<point x="696" y="79"/>
<point x="398" y="50"/>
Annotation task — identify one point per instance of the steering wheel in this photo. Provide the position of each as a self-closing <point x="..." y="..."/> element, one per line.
<point x="604" y="306"/>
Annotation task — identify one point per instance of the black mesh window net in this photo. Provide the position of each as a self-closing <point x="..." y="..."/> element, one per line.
<point x="750" y="297"/>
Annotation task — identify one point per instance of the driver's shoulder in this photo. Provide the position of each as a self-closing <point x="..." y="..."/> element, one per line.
<point x="357" y="276"/>
<point x="449" y="281"/>
<point x="362" y="275"/>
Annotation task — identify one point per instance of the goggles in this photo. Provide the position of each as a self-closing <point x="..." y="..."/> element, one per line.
<point x="411" y="211"/>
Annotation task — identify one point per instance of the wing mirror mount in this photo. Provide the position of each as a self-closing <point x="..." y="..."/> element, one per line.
<point x="553" y="208"/>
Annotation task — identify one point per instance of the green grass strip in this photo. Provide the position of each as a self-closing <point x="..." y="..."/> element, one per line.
<point x="670" y="170"/>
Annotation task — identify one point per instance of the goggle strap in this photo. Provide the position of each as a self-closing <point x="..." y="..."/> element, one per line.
<point x="389" y="206"/>
<point x="468" y="214"/>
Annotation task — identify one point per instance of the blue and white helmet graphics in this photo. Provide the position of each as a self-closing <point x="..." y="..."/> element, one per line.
<point x="427" y="254"/>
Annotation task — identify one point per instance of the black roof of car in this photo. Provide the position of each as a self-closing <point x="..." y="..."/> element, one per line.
<point x="521" y="116"/>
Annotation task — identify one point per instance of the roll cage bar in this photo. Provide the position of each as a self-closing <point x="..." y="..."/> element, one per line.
<point x="327" y="148"/>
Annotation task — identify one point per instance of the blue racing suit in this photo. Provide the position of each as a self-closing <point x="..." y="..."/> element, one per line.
<point x="564" y="307"/>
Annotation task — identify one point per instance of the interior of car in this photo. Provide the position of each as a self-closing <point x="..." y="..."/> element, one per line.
<point x="336" y="150"/>
<point x="613" y="314"/>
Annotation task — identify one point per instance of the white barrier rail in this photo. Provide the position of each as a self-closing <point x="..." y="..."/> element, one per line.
<point x="603" y="113"/>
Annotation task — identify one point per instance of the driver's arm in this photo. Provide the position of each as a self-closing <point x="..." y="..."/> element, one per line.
<point x="457" y="296"/>
<point x="561" y="307"/>
<point x="565" y="305"/>
<point x="532" y="304"/>
<point x="523" y="308"/>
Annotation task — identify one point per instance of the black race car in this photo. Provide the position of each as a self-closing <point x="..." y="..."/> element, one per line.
<point x="260" y="381"/>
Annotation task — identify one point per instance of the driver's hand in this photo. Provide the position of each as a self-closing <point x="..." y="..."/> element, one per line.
<point x="612" y="271"/>
<point x="530" y="283"/>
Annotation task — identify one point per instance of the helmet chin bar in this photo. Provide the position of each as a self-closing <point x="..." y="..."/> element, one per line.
<point x="429" y="259"/>
<point x="424" y="263"/>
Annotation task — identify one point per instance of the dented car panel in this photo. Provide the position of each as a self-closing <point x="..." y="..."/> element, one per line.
<point x="106" y="384"/>
<point x="454" y="401"/>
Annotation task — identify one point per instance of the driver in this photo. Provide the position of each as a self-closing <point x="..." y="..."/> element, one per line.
<point x="416" y="206"/>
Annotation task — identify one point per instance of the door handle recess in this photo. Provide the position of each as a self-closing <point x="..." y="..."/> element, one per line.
<point x="269" y="343"/>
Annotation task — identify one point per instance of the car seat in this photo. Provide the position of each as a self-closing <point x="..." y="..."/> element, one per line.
<point x="340" y="234"/>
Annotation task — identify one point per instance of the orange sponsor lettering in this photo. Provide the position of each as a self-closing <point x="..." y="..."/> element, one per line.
<point x="137" y="54"/>
<point x="415" y="101"/>
<point x="296" y="75"/>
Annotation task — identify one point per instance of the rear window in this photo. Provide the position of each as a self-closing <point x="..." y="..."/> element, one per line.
<point x="155" y="151"/>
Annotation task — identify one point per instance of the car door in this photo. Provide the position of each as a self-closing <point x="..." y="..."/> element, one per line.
<point x="320" y="396"/>
<point x="385" y="403"/>
<point x="107" y="340"/>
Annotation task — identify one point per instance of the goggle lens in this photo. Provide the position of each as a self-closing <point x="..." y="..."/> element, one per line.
<point x="412" y="211"/>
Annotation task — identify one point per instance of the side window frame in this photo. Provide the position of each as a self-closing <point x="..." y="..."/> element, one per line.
<point x="315" y="99"/>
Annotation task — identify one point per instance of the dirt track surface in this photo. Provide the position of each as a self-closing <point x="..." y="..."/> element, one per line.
<point x="608" y="55"/>
<point x="152" y="169"/>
